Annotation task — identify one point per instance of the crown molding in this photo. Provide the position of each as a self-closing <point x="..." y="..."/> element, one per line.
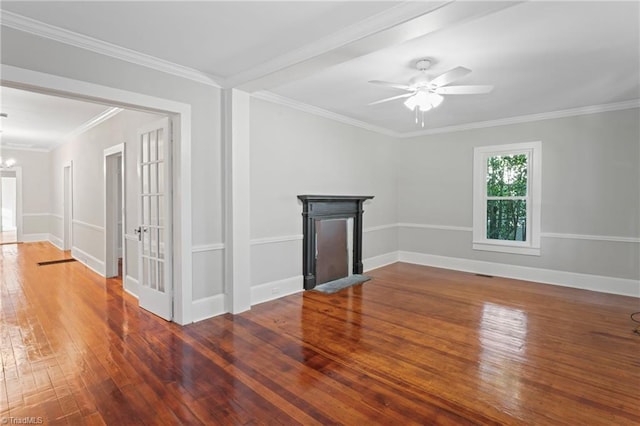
<point x="22" y="148"/>
<point x="281" y="100"/>
<point x="93" y="122"/>
<point x="592" y="109"/>
<point x="41" y="29"/>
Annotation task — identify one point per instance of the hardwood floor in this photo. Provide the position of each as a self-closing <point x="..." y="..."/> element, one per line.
<point x="415" y="345"/>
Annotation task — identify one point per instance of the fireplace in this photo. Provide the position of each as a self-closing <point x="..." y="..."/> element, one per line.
<point x="318" y="209"/>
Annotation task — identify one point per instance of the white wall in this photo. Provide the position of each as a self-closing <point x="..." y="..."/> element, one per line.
<point x="293" y="153"/>
<point x="35" y="192"/>
<point x="590" y="193"/>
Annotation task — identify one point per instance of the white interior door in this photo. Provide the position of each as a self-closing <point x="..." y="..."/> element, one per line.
<point x="154" y="231"/>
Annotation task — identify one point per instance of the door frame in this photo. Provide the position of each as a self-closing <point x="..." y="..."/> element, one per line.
<point x="180" y="114"/>
<point x="18" y="175"/>
<point x="111" y="215"/>
<point x="67" y="207"/>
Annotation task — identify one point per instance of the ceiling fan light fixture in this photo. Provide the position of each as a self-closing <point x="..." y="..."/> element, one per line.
<point x="8" y="163"/>
<point x="424" y="101"/>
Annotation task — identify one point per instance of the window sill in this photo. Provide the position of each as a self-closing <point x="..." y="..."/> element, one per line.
<point x="528" y="251"/>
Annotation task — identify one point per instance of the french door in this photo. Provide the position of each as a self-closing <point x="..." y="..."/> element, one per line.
<point x="154" y="210"/>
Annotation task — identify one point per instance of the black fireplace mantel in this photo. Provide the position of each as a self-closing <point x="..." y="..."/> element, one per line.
<point x="320" y="207"/>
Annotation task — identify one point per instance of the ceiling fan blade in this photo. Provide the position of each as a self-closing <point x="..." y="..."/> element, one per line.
<point x="449" y="76"/>
<point x="463" y="90"/>
<point x="405" y="95"/>
<point x="390" y="84"/>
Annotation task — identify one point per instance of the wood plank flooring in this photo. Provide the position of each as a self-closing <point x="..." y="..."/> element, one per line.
<point x="415" y="345"/>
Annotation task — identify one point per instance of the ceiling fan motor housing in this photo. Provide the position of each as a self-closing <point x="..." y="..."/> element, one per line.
<point x="423" y="64"/>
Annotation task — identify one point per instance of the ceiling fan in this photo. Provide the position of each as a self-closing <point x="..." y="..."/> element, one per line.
<point x="425" y="94"/>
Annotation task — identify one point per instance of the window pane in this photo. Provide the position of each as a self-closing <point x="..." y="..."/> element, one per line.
<point x="507" y="220"/>
<point x="507" y="176"/>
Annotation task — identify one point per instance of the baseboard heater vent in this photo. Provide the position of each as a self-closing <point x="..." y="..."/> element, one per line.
<point x="484" y="275"/>
<point x="54" y="262"/>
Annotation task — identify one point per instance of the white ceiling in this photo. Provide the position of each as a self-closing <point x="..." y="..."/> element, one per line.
<point x="42" y="122"/>
<point x="541" y="56"/>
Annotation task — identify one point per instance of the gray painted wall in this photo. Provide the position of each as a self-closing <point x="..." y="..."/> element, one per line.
<point x="589" y="163"/>
<point x="35" y="194"/>
<point x="31" y="52"/>
<point x="342" y="160"/>
<point x="590" y="187"/>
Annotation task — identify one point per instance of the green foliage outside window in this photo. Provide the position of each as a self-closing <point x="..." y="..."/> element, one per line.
<point x="506" y="197"/>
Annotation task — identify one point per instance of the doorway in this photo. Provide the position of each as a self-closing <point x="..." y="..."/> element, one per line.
<point x="67" y="208"/>
<point x="114" y="213"/>
<point x="8" y="207"/>
<point x="180" y="260"/>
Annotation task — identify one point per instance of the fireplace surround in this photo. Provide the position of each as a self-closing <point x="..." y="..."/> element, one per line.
<point x="321" y="207"/>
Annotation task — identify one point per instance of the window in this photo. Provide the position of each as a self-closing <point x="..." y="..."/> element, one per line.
<point x="506" y="198"/>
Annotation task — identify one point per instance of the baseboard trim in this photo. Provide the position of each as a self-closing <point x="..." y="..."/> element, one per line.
<point x="56" y="241"/>
<point x="131" y="286"/>
<point x="621" y="286"/>
<point x="380" y="261"/>
<point x="208" y="307"/>
<point x="96" y="265"/>
<point x="276" y="289"/>
<point x="34" y="238"/>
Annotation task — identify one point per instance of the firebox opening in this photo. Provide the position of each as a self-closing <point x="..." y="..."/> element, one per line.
<point x="334" y="249"/>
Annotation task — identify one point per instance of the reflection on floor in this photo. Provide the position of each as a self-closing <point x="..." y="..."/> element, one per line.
<point x="7" y="237"/>
<point x="415" y="345"/>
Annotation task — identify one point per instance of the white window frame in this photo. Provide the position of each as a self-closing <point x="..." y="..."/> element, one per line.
<point x="531" y="246"/>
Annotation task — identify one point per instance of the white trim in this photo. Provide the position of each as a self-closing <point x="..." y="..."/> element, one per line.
<point x="88" y="225"/>
<point x="379" y="261"/>
<point x="276" y="289"/>
<point x="609" y="238"/>
<point x="587" y="237"/>
<point x="439" y="227"/>
<point x="272" y="240"/>
<point x="36" y="214"/>
<point x="373" y="25"/>
<point x="300" y="237"/>
<point x="56" y="216"/>
<point x="131" y="286"/>
<point x="35" y="238"/>
<point x="380" y="227"/>
<point x="591" y="109"/>
<point x="23" y="148"/>
<point x="41" y="29"/>
<point x="236" y="148"/>
<point x="110" y="218"/>
<point x="181" y="114"/>
<point x="300" y="106"/>
<point x="622" y="286"/>
<point x="130" y="237"/>
<point x="533" y="151"/>
<point x="56" y="241"/>
<point x="502" y="247"/>
<point x="207" y="247"/>
<point x="91" y="262"/>
<point x="208" y="307"/>
<point x="67" y="205"/>
<point x="93" y="122"/>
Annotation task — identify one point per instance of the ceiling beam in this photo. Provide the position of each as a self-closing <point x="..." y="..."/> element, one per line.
<point x="408" y="21"/>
